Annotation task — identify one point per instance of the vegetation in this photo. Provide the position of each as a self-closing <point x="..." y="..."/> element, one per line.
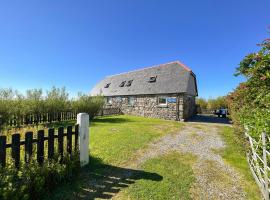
<point x="87" y="104"/>
<point x="212" y="104"/>
<point x="115" y="138"/>
<point x="13" y="104"/>
<point x="115" y="141"/>
<point x="234" y="154"/>
<point x="34" y="181"/>
<point x="250" y="101"/>
<point x="177" y="179"/>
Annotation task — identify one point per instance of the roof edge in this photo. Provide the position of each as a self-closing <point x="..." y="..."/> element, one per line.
<point x="149" y="67"/>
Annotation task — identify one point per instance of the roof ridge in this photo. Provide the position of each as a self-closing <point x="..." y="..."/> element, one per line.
<point x="184" y="66"/>
<point x="149" y="67"/>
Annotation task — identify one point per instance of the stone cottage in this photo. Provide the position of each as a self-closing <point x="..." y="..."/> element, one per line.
<point x="164" y="91"/>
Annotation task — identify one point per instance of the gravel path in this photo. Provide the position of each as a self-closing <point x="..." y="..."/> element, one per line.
<point x="214" y="178"/>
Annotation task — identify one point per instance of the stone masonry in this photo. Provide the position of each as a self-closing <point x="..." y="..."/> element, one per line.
<point x="179" y="107"/>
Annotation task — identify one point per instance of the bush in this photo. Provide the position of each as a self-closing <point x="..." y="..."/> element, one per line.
<point x="88" y="104"/>
<point x="13" y="104"/>
<point x="250" y="101"/>
<point x="202" y="103"/>
<point x="212" y="104"/>
<point x="34" y="181"/>
<point x="219" y="102"/>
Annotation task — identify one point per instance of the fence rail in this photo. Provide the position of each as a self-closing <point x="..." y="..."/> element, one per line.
<point x="29" y="141"/>
<point x="32" y="119"/>
<point x="257" y="158"/>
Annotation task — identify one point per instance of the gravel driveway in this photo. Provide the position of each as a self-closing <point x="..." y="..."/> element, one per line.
<point x="215" y="179"/>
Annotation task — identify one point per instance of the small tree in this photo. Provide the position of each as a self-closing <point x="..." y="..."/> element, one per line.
<point x="88" y="104"/>
<point x="6" y="106"/>
<point x="56" y="101"/>
<point x="219" y="102"/>
<point x="202" y="103"/>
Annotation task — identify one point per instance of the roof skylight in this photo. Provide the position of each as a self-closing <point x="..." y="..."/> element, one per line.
<point x="122" y="84"/>
<point x="129" y="83"/>
<point x="152" y="79"/>
<point x="107" y="85"/>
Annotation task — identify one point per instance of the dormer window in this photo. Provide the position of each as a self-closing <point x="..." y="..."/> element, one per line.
<point x="129" y="83"/>
<point x="152" y="79"/>
<point x="107" y="85"/>
<point x="122" y="84"/>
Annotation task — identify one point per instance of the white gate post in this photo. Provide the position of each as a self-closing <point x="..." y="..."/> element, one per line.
<point x="83" y="121"/>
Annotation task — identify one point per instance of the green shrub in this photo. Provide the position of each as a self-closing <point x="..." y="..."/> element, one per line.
<point x="250" y="101"/>
<point x="212" y="104"/>
<point x="34" y="181"/>
<point x="35" y="102"/>
<point x="88" y="104"/>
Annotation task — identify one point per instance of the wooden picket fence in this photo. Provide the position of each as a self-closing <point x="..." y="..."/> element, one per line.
<point x="43" y="118"/>
<point x="34" y="119"/>
<point x="257" y="157"/>
<point x="29" y="142"/>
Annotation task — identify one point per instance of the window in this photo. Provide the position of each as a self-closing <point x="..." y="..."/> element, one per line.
<point x="107" y="85"/>
<point x="122" y="84"/>
<point x="109" y="100"/>
<point x="152" y="79"/>
<point x="162" y="101"/>
<point x="118" y="99"/>
<point x="129" y="83"/>
<point x="131" y="101"/>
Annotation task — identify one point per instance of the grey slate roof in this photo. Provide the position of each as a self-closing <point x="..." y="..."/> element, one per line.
<point x="172" y="78"/>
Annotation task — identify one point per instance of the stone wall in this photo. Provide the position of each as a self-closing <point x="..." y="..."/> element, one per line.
<point x="190" y="106"/>
<point x="147" y="106"/>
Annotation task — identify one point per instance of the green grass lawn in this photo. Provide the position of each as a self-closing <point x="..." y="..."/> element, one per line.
<point x="115" y="142"/>
<point x="234" y="154"/>
<point x="114" y="139"/>
<point x="177" y="178"/>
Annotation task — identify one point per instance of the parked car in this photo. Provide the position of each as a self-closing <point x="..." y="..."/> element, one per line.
<point x="222" y="112"/>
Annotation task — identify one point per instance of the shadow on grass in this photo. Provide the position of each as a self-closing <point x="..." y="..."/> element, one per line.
<point x="111" y="120"/>
<point x="99" y="180"/>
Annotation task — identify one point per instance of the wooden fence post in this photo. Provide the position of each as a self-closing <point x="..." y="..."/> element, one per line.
<point x="60" y="142"/>
<point x="51" y="143"/>
<point x="40" y="146"/>
<point x="3" y="141"/>
<point x="28" y="146"/>
<point x="15" y="149"/>
<point x="69" y="139"/>
<point x="83" y="122"/>
<point x="266" y="191"/>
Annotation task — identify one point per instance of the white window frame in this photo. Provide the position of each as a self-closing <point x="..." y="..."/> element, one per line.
<point x="129" y="102"/>
<point x="163" y="104"/>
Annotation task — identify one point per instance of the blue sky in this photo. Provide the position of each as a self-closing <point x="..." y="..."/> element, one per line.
<point x="76" y="43"/>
